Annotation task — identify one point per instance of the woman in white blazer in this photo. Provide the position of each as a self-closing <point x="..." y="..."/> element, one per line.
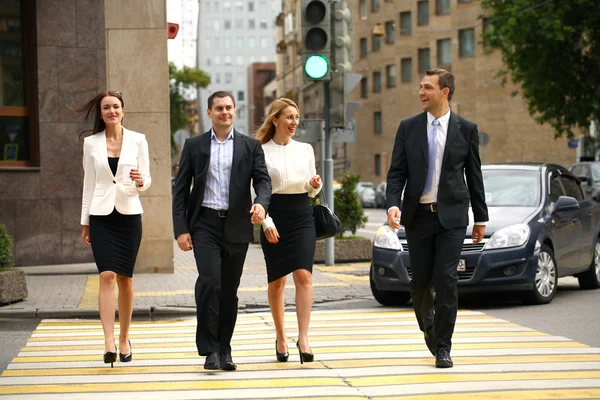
<point x="116" y="168"/>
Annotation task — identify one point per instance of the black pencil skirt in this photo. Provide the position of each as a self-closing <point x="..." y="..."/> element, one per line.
<point x="293" y="218"/>
<point x="115" y="241"/>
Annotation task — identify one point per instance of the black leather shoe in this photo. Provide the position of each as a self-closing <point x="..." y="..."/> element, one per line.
<point x="227" y="363"/>
<point x="430" y="340"/>
<point x="443" y="359"/>
<point x="212" y="361"/>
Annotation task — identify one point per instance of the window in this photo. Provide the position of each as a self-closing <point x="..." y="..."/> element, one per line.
<point x="227" y="42"/>
<point x="444" y="52"/>
<point x="251" y="24"/>
<point x="443" y="7"/>
<point x="240" y="95"/>
<point x="390" y="75"/>
<point x="207" y="43"/>
<point x="466" y="42"/>
<point x="228" y="77"/>
<point x="227" y="60"/>
<point x="251" y="6"/>
<point x="572" y="189"/>
<point x="406" y="65"/>
<point x="264" y="42"/>
<point x="239" y="78"/>
<point x="263" y="24"/>
<point x="364" y="87"/>
<point x="423" y="12"/>
<point x="241" y="112"/>
<point x="227" y="25"/>
<point x="556" y="189"/>
<point x="423" y="60"/>
<point x="239" y="24"/>
<point x="465" y="1"/>
<point x="251" y="42"/>
<point x="209" y="62"/>
<point x="377" y="128"/>
<point x="363" y="47"/>
<point x="239" y="6"/>
<point x="217" y="77"/>
<point x="376" y="82"/>
<point x="390" y="36"/>
<point x="363" y="9"/>
<point x="216" y="26"/>
<point x="375" y="6"/>
<point x="405" y="23"/>
<point x="239" y="60"/>
<point x="377" y="164"/>
<point x="487" y="28"/>
<point x="227" y="6"/>
<point x="376" y="45"/>
<point x="239" y="42"/>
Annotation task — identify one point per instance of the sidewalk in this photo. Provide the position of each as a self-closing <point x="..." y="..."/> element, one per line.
<point x="66" y="291"/>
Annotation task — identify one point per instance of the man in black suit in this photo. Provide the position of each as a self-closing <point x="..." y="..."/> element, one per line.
<point x="215" y="220"/>
<point x="433" y="154"/>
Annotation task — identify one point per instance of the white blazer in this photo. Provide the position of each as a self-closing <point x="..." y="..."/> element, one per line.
<point x="103" y="191"/>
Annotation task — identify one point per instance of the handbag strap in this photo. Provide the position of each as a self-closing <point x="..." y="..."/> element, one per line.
<point x="323" y="198"/>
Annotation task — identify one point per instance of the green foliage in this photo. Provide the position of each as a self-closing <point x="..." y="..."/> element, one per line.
<point x="6" y="258"/>
<point x="347" y="205"/>
<point x="550" y="48"/>
<point x="180" y="80"/>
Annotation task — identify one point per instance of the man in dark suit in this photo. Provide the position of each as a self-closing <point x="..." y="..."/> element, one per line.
<point x="433" y="154"/>
<point x="215" y="220"/>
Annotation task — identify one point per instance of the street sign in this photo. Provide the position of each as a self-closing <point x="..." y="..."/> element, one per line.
<point x="348" y="134"/>
<point x="308" y="131"/>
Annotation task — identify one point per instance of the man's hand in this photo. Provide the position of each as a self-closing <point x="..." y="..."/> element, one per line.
<point x="393" y="218"/>
<point x="258" y="213"/>
<point x="272" y="235"/>
<point x="184" y="241"/>
<point x="478" y="232"/>
<point x="85" y="234"/>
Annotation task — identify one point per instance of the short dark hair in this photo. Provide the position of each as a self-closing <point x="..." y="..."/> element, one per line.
<point x="220" y="94"/>
<point x="446" y="79"/>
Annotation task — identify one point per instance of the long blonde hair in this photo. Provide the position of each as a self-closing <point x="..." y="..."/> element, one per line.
<point x="267" y="129"/>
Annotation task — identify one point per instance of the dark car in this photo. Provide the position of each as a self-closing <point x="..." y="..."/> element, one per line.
<point x="380" y="195"/>
<point x="588" y="172"/>
<point x="541" y="226"/>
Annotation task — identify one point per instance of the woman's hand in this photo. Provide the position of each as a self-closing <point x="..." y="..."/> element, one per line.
<point x="272" y="235"/>
<point x="315" y="181"/>
<point x="136" y="175"/>
<point x="85" y="234"/>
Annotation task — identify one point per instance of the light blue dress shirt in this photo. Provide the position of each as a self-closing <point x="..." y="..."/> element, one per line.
<point x="216" y="192"/>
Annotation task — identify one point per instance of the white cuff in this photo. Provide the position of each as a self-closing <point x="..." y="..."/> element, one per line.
<point x="267" y="223"/>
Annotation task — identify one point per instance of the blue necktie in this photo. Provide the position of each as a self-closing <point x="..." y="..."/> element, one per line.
<point x="432" y="146"/>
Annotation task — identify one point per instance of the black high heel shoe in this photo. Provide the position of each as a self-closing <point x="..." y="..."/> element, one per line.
<point x="305" y="357"/>
<point x="110" y="357"/>
<point x="281" y="357"/>
<point x="126" y="357"/>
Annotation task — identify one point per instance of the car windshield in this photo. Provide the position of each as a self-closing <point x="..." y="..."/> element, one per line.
<point x="595" y="172"/>
<point x="511" y="188"/>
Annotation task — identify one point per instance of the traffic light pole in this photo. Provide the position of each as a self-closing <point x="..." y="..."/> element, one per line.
<point x="328" y="171"/>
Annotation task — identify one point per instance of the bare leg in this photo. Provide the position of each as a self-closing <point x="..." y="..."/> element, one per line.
<point x="304" y="300"/>
<point x="125" y="310"/>
<point x="106" y="305"/>
<point x="276" y="294"/>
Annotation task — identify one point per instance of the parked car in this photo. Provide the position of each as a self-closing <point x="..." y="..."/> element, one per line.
<point x="541" y="226"/>
<point x="362" y="185"/>
<point x="367" y="197"/>
<point x="380" y="195"/>
<point x="588" y="172"/>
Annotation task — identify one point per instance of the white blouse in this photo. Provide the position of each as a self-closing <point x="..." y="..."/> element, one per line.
<point x="291" y="168"/>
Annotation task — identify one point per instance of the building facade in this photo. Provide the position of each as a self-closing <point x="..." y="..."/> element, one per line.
<point x="233" y="34"/>
<point x="423" y="34"/>
<point x="259" y="75"/>
<point x="60" y="53"/>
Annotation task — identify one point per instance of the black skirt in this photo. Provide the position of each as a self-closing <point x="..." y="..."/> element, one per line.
<point x="115" y="241"/>
<point x="293" y="218"/>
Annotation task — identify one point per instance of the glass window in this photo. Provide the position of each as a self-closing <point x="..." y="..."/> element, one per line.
<point x="444" y="47"/>
<point x="17" y="84"/>
<point x="239" y="6"/>
<point x="239" y="24"/>
<point x="240" y="95"/>
<point x="239" y="60"/>
<point x="239" y="78"/>
<point x="376" y="46"/>
<point x="264" y="58"/>
<point x="251" y="42"/>
<point x="465" y="1"/>
<point x="390" y="75"/>
<point x="375" y="6"/>
<point x="226" y="24"/>
<point x="506" y="188"/>
<point x="227" y="60"/>
<point x="572" y="188"/>
<point x="377" y="126"/>
<point x="227" y="6"/>
<point x="376" y="82"/>
<point x="390" y="35"/>
<point x="241" y="111"/>
<point x="406" y="65"/>
<point x="227" y="42"/>
<point x="216" y="6"/>
<point x="251" y="24"/>
<point x="423" y="12"/>
<point x="363" y="47"/>
<point x="228" y="77"/>
<point x="250" y="6"/>
<point x="363" y="9"/>
<point x="216" y="25"/>
<point x="364" y="87"/>
<point x="239" y="42"/>
<point x="443" y="7"/>
<point x="405" y="23"/>
<point x="208" y="62"/>
<point x="217" y="77"/>
<point x="423" y="60"/>
<point x="264" y="42"/>
<point x="251" y="59"/>
<point x="466" y="42"/>
<point x="377" y="164"/>
<point x="263" y="24"/>
<point x="207" y="43"/>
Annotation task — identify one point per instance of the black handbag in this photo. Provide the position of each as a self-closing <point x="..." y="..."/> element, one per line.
<point x="327" y="224"/>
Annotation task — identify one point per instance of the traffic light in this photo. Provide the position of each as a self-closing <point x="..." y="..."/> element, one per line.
<point x="316" y="45"/>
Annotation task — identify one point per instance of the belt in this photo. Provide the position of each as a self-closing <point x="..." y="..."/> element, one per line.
<point x="218" y="213"/>
<point x="431" y="207"/>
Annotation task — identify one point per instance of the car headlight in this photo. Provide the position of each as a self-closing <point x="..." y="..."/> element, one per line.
<point x="386" y="238"/>
<point x="509" y="236"/>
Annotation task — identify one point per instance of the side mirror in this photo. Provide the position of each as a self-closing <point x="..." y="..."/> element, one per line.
<point x="566" y="203"/>
<point x="582" y="178"/>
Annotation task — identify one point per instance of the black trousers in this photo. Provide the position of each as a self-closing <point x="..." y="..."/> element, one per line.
<point x="434" y="252"/>
<point x="220" y="264"/>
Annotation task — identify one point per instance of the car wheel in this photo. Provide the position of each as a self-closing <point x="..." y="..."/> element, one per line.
<point x="546" y="279"/>
<point x="590" y="279"/>
<point x="389" y="298"/>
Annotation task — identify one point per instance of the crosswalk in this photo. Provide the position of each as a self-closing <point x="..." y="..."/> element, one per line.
<point x="359" y="354"/>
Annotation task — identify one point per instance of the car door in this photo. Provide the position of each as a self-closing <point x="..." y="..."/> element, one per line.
<point x="587" y="236"/>
<point x="564" y="230"/>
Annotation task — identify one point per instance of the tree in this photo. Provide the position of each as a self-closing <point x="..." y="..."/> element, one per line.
<point x="6" y="259"/>
<point x="179" y="81"/>
<point x="347" y="205"/>
<point x="551" y="49"/>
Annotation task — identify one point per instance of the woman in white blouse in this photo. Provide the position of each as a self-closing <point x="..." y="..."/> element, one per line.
<point x="288" y="239"/>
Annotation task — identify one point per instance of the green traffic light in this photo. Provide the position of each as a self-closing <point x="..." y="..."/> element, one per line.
<point x="316" y="66"/>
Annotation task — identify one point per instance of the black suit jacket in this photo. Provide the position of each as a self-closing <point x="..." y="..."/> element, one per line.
<point x="248" y="164"/>
<point x="408" y="172"/>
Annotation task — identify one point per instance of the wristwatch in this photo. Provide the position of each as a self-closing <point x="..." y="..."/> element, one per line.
<point x="136" y="185"/>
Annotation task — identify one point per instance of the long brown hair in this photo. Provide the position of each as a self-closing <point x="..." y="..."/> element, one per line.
<point x="267" y="129"/>
<point x="93" y="107"/>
